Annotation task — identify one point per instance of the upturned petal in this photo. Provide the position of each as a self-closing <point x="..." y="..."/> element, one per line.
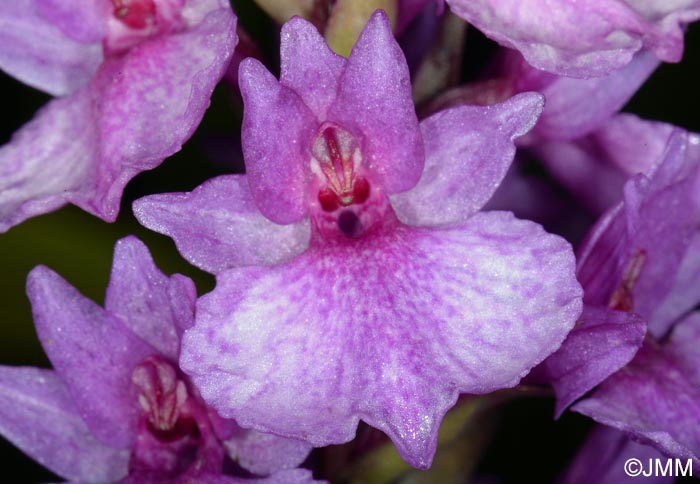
<point x="38" y="415"/>
<point x="388" y="329"/>
<point x="374" y="102"/>
<point x="217" y="226"/>
<point x="656" y="398"/>
<point x="309" y="66"/>
<point x="582" y="39"/>
<point x="602" y="342"/>
<point x="35" y="50"/>
<point x="92" y="352"/>
<point x="468" y="152"/>
<point x="155" y="307"/>
<point x="277" y="134"/>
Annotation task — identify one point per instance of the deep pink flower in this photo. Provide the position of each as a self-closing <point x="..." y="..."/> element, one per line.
<point x="385" y="293"/>
<point x="134" y="76"/>
<point x="116" y="408"/>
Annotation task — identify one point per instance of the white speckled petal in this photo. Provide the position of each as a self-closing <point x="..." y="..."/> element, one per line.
<point x="468" y="150"/>
<point x="217" y="226"/>
<point x="38" y="415"/>
<point x="388" y="329"/>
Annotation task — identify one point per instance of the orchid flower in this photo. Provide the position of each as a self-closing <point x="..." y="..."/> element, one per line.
<point x="640" y="269"/>
<point x="116" y="408"/>
<point x="644" y="256"/>
<point x="356" y="278"/>
<point x="133" y="78"/>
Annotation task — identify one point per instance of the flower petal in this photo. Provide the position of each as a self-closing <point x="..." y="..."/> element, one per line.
<point x="374" y="103"/>
<point x="85" y="148"/>
<point x="309" y="66"/>
<point x="575" y="107"/>
<point x="582" y="39"/>
<point x="153" y="99"/>
<point x="217" y="226"/>
<point x="656" y="398"/>
<point x="35" y="50"/>
<point x="603" y="342"/>
<point x="264" y="454"/>
<point x="277" y="134"/>
<point x="636" y="249"/>
<point x="387" y="329"/>
<point x="39" y="170"/>
<point x="92" y="352"/>
<point x="468" y="151"/>
<point x="684" y="295"/>
<point x="595" y="167"/>
<point x="81" y="20"/>
<point x="38" y="416"/>
<point x="157" y="308"/>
